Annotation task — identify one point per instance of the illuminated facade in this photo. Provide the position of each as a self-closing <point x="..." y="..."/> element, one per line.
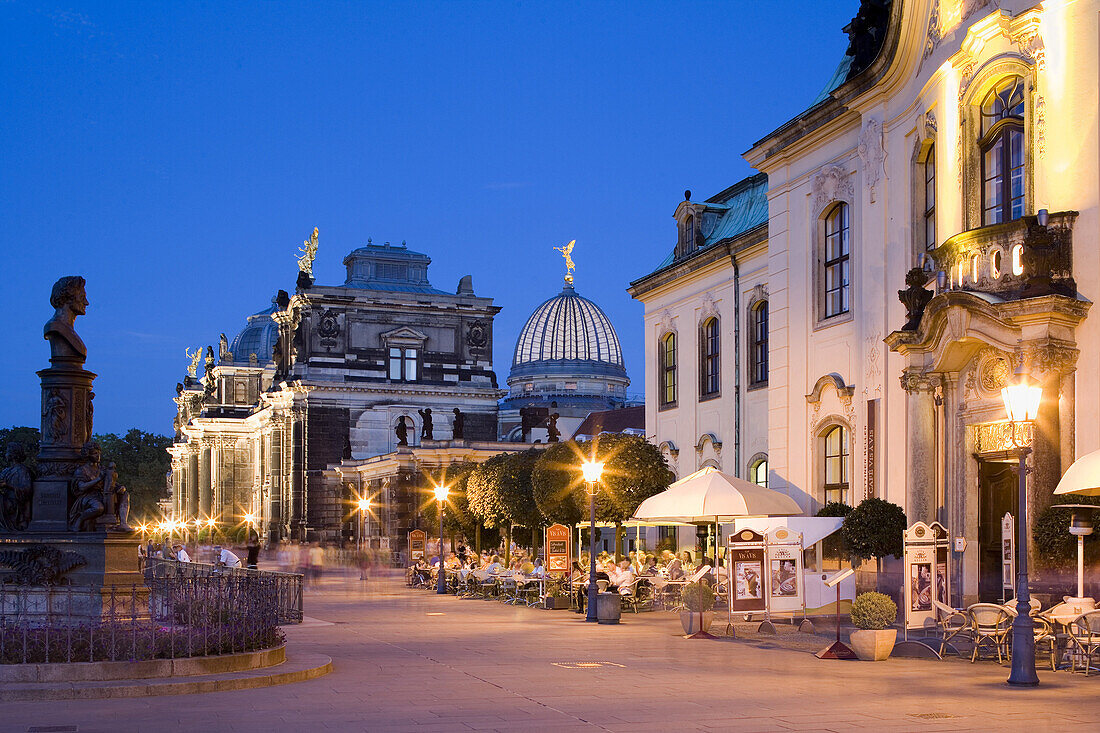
<point x="922" y="168"/>
<point x="323" y="376"/>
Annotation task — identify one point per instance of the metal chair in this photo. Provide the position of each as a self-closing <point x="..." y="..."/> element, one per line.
<point x="952" y="624"/>
<point x="988" y="626"/>
<point x="1084" y="633"/>
<point x="634" y="594"/>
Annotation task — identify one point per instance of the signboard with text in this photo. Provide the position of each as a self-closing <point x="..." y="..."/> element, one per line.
<point x="1008" y="556"/>
<point x="417" y="540"/>
<point x="745" y="565"/>
<point x="926" y="573"/>
<point x="557" y="548"/>
<point x="785" y="590"/>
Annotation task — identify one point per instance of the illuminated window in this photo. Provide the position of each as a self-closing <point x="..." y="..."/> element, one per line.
<point x="758" y="344"/>
<point x="837" y="274"/>
<point x="1002" y="146"/>
<point x="758" y="472"/>
<point x="995" y="260"/>
<point x="1017" y="260"/>
<point x="709" y="370"/>
<point x="836" y="464"/>
<point x="974" y="269"/>
<point x="668" y="370"/>
<point x="403" y="364"/>
<point x="930" y="200"/>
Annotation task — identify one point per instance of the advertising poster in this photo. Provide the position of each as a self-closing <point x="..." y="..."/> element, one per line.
<point x="784" y="579"/>
<point x="1008" y="554"/>
<point x="557" y="548"/>
<point x="750" y="579"/>
<point x="921" y="580"/>
<point x="417" y="538"/>
<point x="747" y="568"/>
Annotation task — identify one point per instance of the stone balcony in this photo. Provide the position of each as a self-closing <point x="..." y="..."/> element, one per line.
<point x="1017" y="259"/>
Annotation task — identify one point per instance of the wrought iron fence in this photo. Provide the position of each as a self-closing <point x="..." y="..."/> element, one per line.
<point x="287" y="587"/>
<point x="177" y="615"/>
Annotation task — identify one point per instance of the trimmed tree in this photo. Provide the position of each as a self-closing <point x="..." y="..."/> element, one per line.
<point x="499" y="492"/>
<point x="634" y="470"/>
<point x="875" y="528"/>
<point x="833" y="546"/>
<point x="143" y="463"/>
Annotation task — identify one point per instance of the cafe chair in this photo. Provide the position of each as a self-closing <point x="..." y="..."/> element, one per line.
<point x="952" y="624"/>
<point x="989" y="624"/>
<point x="1084" y="634"/>
<point x="634" y="594"/>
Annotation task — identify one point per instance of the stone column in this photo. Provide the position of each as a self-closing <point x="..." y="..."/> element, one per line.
<point x="274" y="472"/>
<point x="297" y="479"/>
<point x="921" y="478"/>
<point x="192" y="487"/>
<point x="205" y="488"/>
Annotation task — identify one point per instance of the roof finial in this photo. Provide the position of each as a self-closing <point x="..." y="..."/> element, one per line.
<point x="567" y="252"/>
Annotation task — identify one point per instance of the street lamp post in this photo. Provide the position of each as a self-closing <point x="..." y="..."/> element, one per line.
<point x="364" y="507"/>
<point x="441" y="580"/>
<point x="591" y="471"/>
<point x="1022" y="398"/>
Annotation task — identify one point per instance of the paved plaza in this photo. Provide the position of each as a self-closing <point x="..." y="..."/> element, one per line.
<point x="408" y="660"/>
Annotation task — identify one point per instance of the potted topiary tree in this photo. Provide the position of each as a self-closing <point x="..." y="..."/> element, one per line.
<point x="871" y="614"/>
<point x="698" y="601"/>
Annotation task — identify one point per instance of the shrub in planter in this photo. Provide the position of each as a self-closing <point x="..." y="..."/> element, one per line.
<point x="698" y="601"/>
<point x="871" y="614"/>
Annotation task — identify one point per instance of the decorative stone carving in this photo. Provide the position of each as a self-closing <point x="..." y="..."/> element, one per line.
<point x="477" y="336"/>
<point x="992" y="371"/>
<point x="328" y="327"/>
<point x="915" y="297"/>
<point x="1052" y="357"/>
<point x="666" y="323"/>
<point x="193" y="367"/>
<point x="209" y="383"/>
<point x="932" y="35"/>
<point x="1001" y="436"/>
<point x="1040" y="125"/>
<point x="16" y="490"/>
<point x="832" y="183"/>
<point x="224" y="355"/>
<point x="1047" y="258"/>
<point x="872" y="381"/>
<point x="872" y="154"/>
<point x="708" y="308"/>
<point x="38" y="564"/>
<point x="55" y="417"/>
<point x="931" y="127"/>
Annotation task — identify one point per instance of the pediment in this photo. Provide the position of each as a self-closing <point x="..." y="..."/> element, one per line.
<point x="404" y="336"/>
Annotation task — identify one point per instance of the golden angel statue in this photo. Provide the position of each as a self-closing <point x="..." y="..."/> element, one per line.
<point x="193" y="369"/>
<point x="567" y="253"/>
<point x="309" y="253"/>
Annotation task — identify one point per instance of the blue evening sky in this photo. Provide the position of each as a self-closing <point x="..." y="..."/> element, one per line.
<point x="177" y="154"/>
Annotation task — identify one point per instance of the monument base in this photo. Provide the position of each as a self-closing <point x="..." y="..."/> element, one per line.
<point x="107" y="584"/>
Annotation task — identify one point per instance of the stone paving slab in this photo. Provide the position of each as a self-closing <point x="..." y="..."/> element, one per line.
<point x="485" y="666"/>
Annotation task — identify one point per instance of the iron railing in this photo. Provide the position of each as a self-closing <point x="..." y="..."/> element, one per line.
<point x="287" y="587"/>
<point x="175" y="616"/>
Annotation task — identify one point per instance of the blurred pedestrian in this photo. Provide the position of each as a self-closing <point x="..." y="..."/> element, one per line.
<point x="253" y="548"/>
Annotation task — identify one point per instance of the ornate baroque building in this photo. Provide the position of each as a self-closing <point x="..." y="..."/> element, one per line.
<point x="951" y="157"/>
<point x="326" y="375"/>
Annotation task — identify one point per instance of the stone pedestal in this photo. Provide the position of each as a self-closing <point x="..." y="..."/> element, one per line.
<point x="66" y="426"/>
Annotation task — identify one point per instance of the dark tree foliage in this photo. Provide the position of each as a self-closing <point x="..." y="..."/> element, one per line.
<point x="499" y="490"/>
<point x="875" y="528"/>
<point x="553" y="479"/>
<point x="1054" y="545"/>
<point x="143" y="463"/>
<point x="29" y="437"/>
<point x="833" y="546"/>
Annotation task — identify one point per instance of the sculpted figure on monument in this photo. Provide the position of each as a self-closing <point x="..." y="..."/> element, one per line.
<point x="90" y="486"/>
<point x="120" y="500"/>
<point x="552" y="432"/>
<point x="16" y="490"/>
<point x="208" y="382"/>
<point x="459" y="425"/>
<point x="402" y="431"/>
<point x="55" y="416"/>
<point x="426" y="430"/>
<point x="69" y="301"/>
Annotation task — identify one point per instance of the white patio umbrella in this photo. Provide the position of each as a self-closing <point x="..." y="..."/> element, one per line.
<point x="1083" y="477"/>
<point x="709" y="494"/>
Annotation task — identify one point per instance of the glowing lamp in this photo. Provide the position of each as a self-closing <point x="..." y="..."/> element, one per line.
<point x="592" y="470"/>
<point x="210" y="522"/>
<point x="1022" y="397"/>
<point x="250" y="518"/>
<point x="363" y="504"/>
<point x="441" y="493"/>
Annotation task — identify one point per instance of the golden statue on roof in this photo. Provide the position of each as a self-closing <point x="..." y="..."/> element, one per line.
<point x="567" y="252"/>
<point x="309" y="253"/>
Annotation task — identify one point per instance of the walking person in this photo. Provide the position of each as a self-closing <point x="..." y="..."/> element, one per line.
<point x="253" y="548"/>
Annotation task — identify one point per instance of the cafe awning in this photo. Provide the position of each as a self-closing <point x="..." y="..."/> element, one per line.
<point x="709" y="494"/>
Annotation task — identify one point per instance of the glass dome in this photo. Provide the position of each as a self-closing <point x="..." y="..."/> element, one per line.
<point x="567" y="332"/>
<point x="258" y="337"/>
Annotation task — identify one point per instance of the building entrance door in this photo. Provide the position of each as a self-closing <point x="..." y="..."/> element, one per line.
<point x="997" y="494"/>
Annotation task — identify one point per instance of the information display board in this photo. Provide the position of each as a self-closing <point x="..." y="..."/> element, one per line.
<point x="558" y="548"/>
<point x="1008" y="556"/>
<point x="417" y="539"/>
<point x="785" y="589"/>
<point x="745" y="565"/>
<point x="927" y="574"/>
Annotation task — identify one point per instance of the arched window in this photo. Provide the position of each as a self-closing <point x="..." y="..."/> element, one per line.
<point x="836" y="464"/>
<point x="710" y="374"/>
<point x="668" y="370"/>
<point x="758" y="346"/>
<point x="1002" y="146"/>
<point x="758" y="472"/>
<point x="837" y="274"/>
<point x="689" y="234"/>
<point x="930" y="199"/>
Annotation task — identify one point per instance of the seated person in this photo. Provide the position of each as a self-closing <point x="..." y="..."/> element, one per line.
<point x="675" y="569"/>
<point x="621" y="576"/>
<point x="650" y="567"/>
<point x="495" y="566"/>
<point x="527" y="568"/>
<point x="537" y="570"/>
<point x="225" y="559"/>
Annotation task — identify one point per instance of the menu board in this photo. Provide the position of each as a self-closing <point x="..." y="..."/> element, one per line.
<point x="557" y="548"/>
<point x="745" y="564"/>
<point x="927" y="576"/>
<point x="1008" y="555"/>
<point x="784" y="553"/>
<point x="417" y="540"/>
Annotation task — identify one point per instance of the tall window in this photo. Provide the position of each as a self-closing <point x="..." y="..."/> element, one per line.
<point x="1002" y="145"/>
<point x="758" y="472"/>
<point x="930" y="200"/>
<point x="668" y="370"/>
<point x="836" y="464"/>
<point x="837" y="276"/>
<point x="758" y="351"/>
<point x="710" y="368"/>
<point x="403" y="364"/>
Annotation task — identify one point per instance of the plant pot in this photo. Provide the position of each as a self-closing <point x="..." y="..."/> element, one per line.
<point x="694" y="621"/>
<point x="873" y="645"/>
<point x="556" y="603"/>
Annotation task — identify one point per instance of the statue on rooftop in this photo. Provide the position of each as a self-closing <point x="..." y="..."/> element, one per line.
<point x="193" y="368"/>
<point x="402" y="431"/>
<point x="567" y="253"/>
<point x="458" y="429"/>
<point x="426" y="429"/>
